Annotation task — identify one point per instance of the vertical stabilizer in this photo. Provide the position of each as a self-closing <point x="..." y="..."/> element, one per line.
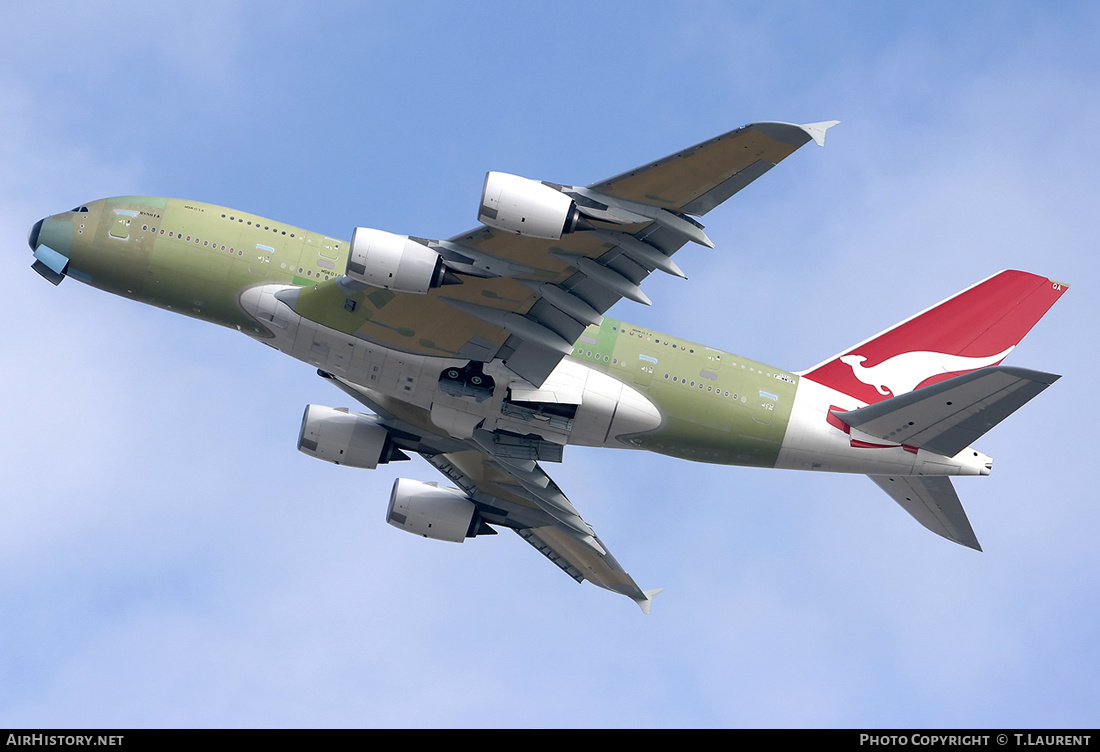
<point x="974" y="329"/>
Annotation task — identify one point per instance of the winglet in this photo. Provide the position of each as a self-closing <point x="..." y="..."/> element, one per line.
<point x="646" y="601"/>
<point x="817" y="130"/>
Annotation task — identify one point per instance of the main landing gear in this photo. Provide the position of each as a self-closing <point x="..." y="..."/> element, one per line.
<point x="468" y="381"/>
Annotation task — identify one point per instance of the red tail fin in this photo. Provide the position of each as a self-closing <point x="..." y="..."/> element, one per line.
<point x="976" y="328"/>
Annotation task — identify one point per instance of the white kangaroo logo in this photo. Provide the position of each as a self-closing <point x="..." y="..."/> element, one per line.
<point x="902" y="373"/>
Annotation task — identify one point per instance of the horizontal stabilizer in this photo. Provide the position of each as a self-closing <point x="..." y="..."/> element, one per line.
<point x="933" y="503"/>
<point x="949" y="416"/>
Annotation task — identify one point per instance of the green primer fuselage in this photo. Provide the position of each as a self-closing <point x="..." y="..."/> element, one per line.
<point x="196" y="259"/>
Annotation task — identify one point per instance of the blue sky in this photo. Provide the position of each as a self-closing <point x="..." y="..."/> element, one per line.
<point x="167" y="557"/>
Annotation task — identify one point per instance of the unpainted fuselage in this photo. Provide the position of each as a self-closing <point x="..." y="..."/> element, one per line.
<point x="638" y="388"/>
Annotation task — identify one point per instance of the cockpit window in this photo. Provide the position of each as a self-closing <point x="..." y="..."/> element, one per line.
<point x="80" y="209"/>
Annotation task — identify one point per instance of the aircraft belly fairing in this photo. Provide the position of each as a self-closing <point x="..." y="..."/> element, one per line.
<point x="489" y="352"/>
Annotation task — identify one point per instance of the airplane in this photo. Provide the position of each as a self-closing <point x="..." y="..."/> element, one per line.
<point x="489" y="352"/>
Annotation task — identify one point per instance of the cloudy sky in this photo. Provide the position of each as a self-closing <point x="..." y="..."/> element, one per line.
<point x="167" y="557"/>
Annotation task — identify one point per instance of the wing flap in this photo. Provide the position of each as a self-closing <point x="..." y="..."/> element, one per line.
<point x="950" y="415"/>
<point x="932" y="502"/>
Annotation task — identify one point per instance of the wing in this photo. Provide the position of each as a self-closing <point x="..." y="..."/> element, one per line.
<point x="525" y="300"/>
<point x="512" y="497"/>
<point x="507" y="492"/>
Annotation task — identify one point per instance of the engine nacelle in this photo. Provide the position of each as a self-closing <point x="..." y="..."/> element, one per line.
<point x="526" y="207"/>
<point x="393" y="262"/>
<point x="431" y="511"/>
<point x="346" y="438"/>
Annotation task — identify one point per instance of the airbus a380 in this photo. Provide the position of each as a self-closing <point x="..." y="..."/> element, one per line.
<point x="489" y="352"/>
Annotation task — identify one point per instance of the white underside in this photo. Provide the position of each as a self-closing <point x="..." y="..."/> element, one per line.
<point x="811" y="443"/>
<point x="606" y="407"/>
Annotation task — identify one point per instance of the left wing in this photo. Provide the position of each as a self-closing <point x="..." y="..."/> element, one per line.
<point x="507" y="492"/>
<point x="525" y="299"/>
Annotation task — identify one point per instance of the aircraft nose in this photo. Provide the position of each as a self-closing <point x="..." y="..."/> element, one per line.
<point x="32" y="238"/>
<point x="51" y="239"/>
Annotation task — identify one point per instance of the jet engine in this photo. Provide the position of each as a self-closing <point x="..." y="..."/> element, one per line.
<point x="393" y="262"/>
<point x="526" y="207"/>
<point x="433" y="511"/>
<point x="346" y="438"/>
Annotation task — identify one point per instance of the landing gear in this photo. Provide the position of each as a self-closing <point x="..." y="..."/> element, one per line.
<point x="468" y="381"/>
